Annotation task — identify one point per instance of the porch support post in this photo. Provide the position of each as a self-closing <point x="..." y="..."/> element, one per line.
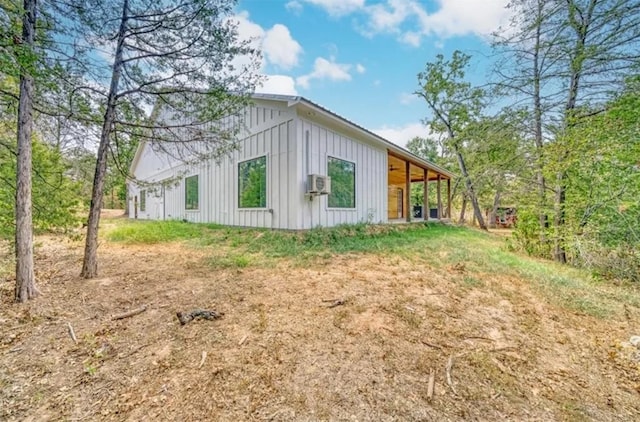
<point x="449" y="199"/>
<point x="425" y="201"/>
<point x="439" y="198"/>
<point x="408" y="190"/>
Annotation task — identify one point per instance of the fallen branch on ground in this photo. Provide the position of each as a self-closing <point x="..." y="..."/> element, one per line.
<point x="426" y="343"/>
<point x="449" y="366"/>
<point x="432" y="383"/>
<point x="185" y="317"/>
<point x="335" y="302"/>
<point x="130" y="313"/>
<point x="202" y="359"/>
<point x="72" y="334"/>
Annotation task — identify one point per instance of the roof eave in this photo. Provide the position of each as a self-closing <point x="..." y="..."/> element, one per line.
<point x="398" y="150"/>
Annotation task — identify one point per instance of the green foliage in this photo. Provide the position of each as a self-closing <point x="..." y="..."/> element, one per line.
<point x="252" y="183"/>
<point x="426" y="148"/>
<point x="526" y="233"/>
<point x="454" y="101"/>
<point x="56" y="198"/>
<point x="599" y="154"/>
<point x="151" y="232"/>
<point x="343" y="183"/>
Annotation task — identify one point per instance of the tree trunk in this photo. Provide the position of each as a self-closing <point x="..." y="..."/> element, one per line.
<point x="463" y="211"/>
<point x="494" y="210"/>
<point x="559" y="253"/>
<point x="537" y="107"/>
<point x="90" y="262"/>
<point x="126" y="200"/>
<point x="580" y="23"/>
<point x="470" y="190"/>
<point x="25" y="277"/>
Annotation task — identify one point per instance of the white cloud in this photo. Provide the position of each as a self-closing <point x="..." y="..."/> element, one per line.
<point x="278" y="84"/>
<point x="325" y="69"/>
<point x="338" y="7"/>
<point x="249" y="30"/>
<point x="279" y="48"/>
<point x="410" y="21"/>
<point x="294" y="7"/>
<point x="412" y="38"/>
<point x="407" y="98"/>
<point x="400" y="135"/>
<point x="461" y="17"/>
<point x="388" y="18"/>
<point x="360" y="68"/>
<point x="277" y="45"/>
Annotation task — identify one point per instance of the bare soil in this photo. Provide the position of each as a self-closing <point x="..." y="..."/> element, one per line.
<point x="281" y="353"/>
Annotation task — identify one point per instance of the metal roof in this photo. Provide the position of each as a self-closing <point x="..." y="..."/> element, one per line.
<point x="293" y="100"/>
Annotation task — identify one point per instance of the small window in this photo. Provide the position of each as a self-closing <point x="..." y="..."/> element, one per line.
<point x="343" y="183"/>
<point x="143" y="200"/>
<point x="252" y="183"/>
<point x="191" y="193"/>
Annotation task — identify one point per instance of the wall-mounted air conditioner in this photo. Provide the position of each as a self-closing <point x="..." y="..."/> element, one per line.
<point x="318" y="185"/>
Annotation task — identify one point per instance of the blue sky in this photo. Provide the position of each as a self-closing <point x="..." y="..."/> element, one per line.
<point x="360" y="58"/>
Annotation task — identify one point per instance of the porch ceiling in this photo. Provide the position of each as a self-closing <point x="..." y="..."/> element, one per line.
<point x="397" y="170"/>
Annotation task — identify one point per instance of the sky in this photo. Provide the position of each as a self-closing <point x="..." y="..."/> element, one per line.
<point x="360" y="58"/>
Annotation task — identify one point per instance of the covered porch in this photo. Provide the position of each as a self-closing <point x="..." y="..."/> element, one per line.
<point x="433" y="184"/>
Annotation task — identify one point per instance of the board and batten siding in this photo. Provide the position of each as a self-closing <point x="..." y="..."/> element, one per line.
<point x="371" y="176"/>
<point x="270" y="131"/>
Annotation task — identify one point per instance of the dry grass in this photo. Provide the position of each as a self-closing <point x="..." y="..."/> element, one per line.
<point x="517" y="355"/>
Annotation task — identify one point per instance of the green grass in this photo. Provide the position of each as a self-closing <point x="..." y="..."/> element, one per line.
<point x="149" y="232"/>
<point x="437" y="245"/>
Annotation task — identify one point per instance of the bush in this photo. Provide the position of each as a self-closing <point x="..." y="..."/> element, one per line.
<point x="620" y="262"/>
<point x="526" y="234"/>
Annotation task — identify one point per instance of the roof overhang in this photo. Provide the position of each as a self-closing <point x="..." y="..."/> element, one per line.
<point x="316" y="112"/>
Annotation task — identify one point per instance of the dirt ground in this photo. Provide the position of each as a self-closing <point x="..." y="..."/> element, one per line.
<point x="281" y="353"/>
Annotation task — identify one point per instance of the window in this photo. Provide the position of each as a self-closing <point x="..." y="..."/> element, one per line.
<point x="143" y="200"/>
<point x="191" y="193"/>
<point x="252" y="183"/>
<point x="343" y="183"/>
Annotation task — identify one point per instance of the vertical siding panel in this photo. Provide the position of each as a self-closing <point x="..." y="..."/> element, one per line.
<point x="229" y="190"/>
<point x="275" y="186"/>
<point x="218" y="190"/>
<point x="297" y="207"/>
<point x="306" y="215"/>
<point x="322" y="165"/>
<point x="273" y="183"/>
<point x="284" y="176"/>
<point x="278" y="187"/>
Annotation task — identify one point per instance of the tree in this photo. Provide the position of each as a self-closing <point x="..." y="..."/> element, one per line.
<point x="567" y="58"/>
<point x="603" y="188"/>
<point x="426" y="148"/>
<point x="526" y="69"/>
<point x="455" y="104"/>
<point x="25" y="278"/>
<point x="56" y="197"/>
<point x="40" y="68"/>
<point x="494" y="156"/>
<point x="180" y="58"/>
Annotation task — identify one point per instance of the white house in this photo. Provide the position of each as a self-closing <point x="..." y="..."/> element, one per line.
<point x="265" y="182"/>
